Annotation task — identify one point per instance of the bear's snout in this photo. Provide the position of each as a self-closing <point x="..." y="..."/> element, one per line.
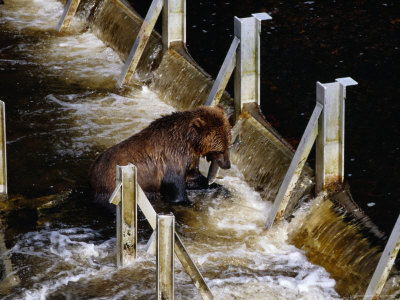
<point x="222" y="159"/>
<point x="218" y="160"/>
<point x="224" y="162"/>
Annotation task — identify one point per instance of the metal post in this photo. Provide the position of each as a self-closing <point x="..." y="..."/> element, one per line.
<point x="247" y="74"/>
<point x="68" y="14"/>
<point x="295" y="168"/>
<point x="8" y="277"/>
<point x="174" y="23"/>
<point x="165" y="256"/>
<point x="224" y="74"/>
<point x="140" y="42"/>
<point x="126" y="213"/>
<point x="385" y="264"/>
<point x="125" y="240"/>
<point x="179" y="249"/>
<point x="3" y="152"/>
<point x="330" y="141"/>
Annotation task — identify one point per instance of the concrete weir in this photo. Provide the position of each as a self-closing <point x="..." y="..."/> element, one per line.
<point x="180" y="82"/>
<point x="166" y="72"/>
<point x="334" y="233"/>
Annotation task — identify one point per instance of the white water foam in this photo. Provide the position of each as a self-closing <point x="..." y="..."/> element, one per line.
<point x="73" y="257"/>
<point x="81" y="59"/>
<point x="243" y="260"/>
<point x="60" y="257"/>
<point x="237" y="261"/>
<point x="37" y="15"/>
<point x="103" y="119"/>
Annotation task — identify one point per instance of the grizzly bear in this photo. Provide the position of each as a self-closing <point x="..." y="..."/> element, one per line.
<point x="165" y="153"/>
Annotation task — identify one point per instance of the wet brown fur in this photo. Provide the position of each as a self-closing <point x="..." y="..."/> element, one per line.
<point x="171" y="142"/>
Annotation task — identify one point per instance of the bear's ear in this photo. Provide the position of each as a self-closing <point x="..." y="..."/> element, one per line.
<point x="197" y="123"/>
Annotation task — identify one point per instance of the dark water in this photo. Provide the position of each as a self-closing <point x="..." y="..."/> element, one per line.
<point x="310" y="41"/>
<point x="38" y="166"/>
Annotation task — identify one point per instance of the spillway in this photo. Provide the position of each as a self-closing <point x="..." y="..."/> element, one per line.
<point x="64" y="109"/>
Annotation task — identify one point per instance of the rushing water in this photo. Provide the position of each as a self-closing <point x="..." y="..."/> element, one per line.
<point x="310" y="41"/>
<point x="62" y="110"/>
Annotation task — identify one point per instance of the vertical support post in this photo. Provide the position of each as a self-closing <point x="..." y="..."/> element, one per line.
<point x="247" y="74"/>
<point x="385" y="264"/>
<point x="127" y="214"/>
<point x="174" y="23"/>
<point x="140" y="43"/>
<point x="295" y="168"/>
<point x="330" y="141"/>
<point x="3" y="153"/>
<point x="68" y="14"/>
<point x="165" y="256"/>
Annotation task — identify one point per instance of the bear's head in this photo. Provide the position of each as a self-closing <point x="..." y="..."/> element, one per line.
<point x="214" y="135"/>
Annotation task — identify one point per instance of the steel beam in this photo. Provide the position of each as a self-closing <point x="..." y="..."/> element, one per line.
<point x="140" y="43"/>
<point x="191" y="269"/>
<point x="385" y="264"/>
<point x="68" y="14"/>
<point x="296" y="166"/>
<point x="224" y="74"/>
